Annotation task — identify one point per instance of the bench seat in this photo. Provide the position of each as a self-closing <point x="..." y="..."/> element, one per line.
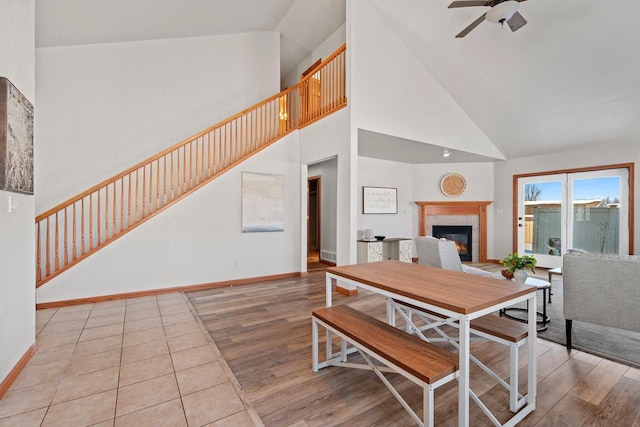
<point x="500" y="327"/>
<point x="490" y="327"/>
<point x="424" y="363"/>
<point x="496" y="326"/>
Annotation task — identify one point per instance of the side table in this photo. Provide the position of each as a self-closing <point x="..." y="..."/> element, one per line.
<point x="551" y="272"/>
<point x="543" y="286"/>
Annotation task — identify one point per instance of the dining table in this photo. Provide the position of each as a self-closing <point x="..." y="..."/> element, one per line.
<point x="457" y="295"/>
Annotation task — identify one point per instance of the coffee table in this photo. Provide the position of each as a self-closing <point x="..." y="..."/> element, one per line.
<point x="543" y="286"/>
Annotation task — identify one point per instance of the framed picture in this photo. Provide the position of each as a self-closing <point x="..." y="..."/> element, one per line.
<point x="262" y="202"/>
<point x="16" y="140"/>
<point x="379" y="200"/>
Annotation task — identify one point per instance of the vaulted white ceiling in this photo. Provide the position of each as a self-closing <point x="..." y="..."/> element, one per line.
<point x="570" y="77"/>
<point x="302" y="24"/>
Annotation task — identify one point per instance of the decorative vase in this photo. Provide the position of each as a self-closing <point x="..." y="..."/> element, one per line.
<point x="520" y="276"/>
<point x="506" y="273"/>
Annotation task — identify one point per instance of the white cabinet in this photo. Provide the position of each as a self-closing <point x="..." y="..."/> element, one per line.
<point x="392" y="248"/>
<point x="401" y="250"/>
<point x="369" y="252"/>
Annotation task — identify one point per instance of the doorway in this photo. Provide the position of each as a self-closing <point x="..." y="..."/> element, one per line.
<point x="591" y="210"/>
<point x="314" y="207"/>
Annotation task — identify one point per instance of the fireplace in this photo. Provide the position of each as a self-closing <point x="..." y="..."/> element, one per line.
<point x="457" y="213"/>
<point x="461" y="234"/>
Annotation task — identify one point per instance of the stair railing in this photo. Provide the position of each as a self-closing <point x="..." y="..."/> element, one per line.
<point x="80" y="226"/>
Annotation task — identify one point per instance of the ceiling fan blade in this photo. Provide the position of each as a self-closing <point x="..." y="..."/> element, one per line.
<point x="470" y="27"/>
<point x="516" y="22"/>
<point x="467" y="3"/>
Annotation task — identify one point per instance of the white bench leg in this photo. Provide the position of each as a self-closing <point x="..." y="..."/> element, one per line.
<point x="343" y="350"/>
<point x="391" y="315"/>
<point x="428" y="405"/>
<point x="391" y="312"/>
<point x="407" y="327"/>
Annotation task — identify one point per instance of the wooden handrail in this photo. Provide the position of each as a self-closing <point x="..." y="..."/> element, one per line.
<point x="85" y="223"/>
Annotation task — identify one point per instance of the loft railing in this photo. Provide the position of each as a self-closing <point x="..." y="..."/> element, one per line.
<point x="77" y="228"/>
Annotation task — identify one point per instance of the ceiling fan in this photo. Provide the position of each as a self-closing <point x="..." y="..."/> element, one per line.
<point x="501" y="11"/>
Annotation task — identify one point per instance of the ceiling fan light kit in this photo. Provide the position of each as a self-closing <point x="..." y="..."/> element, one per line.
<point x="500" y="11"/>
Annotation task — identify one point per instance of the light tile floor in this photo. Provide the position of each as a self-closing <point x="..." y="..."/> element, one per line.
<point x="132" y="362"/>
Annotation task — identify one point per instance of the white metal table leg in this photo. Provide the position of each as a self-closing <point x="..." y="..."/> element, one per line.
<point x="513" y="378"/>
<point x="532" y="361"/>
<point x="329" y="294"/>
<point x="314" y="337"/>
<point x="463" y="379"/>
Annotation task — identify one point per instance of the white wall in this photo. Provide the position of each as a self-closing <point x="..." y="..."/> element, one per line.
<point x="419" y="182"/>
<point x="106" y="107"/>
<point x="198" y="240"/>
<point x="17" y="251"/>
<point x="607" y="153"/>
<point x="479" y="178"/>
<point x="383" y="173"/>
<point x="330" y="45"/>
<point x="328" y="171"/>
<point x="392" y="93"/>
<point x="323" y="140"/>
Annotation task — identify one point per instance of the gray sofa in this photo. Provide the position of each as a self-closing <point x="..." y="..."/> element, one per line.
<point x="602" y="290"/>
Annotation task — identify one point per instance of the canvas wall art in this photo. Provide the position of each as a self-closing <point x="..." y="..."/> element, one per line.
<point x="262" y="202"/>
<point x="379" y="200"/>
<point x="16" y="140"/>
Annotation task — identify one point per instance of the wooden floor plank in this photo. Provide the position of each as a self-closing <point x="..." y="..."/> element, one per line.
<point x="570" y="411"/>
<point x="263" y="331"/>
<point x="595" y="386"/>
<point x="621" y="407"/>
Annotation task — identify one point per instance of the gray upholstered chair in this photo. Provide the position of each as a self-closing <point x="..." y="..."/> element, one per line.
<point x="601" y="289"/>
<point x="442" y="253"/>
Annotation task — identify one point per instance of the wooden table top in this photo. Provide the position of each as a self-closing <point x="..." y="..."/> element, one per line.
<point x="455" y="291"/>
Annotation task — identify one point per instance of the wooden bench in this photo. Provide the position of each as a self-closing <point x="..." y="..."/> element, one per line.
<point x="490" y="327"/>
<point x="424" y="363"/>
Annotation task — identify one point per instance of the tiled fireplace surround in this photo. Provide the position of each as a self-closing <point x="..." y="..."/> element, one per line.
<point x="458" y="213"/>
<point x="459" y="220"/>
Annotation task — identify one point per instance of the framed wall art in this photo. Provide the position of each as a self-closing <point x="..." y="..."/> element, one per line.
<point x="379" y="200"/>
<point x="16" y="140"/>
<point x="262" y="202"/>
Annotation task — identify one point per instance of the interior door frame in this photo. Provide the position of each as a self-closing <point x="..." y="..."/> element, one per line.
<point x="628" y="166"/>
<point x="318" y="179"/>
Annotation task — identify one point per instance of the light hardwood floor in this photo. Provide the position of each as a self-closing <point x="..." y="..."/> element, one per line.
<point x="263" y="332"/>
<point x="146" y="361"/>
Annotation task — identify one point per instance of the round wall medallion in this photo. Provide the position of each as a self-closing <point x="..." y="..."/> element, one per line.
<point x="453" y="184"/>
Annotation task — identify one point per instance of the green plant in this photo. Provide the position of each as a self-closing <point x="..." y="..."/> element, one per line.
<point x="514" y="262"/>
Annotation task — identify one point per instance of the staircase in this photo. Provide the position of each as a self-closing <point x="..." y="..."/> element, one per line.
<point x="84" y="224"/>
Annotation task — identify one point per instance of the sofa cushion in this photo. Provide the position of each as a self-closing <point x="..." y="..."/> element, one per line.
<point x="602" y="289"/>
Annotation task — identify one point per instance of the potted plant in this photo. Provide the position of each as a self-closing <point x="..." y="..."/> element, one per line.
<point x="514" y="262"/>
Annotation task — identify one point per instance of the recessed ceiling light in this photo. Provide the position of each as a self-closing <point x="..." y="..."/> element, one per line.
<point x="446" y="153"/>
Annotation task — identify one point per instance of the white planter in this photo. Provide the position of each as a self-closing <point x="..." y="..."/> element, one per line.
<point x="520" y="276"/>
